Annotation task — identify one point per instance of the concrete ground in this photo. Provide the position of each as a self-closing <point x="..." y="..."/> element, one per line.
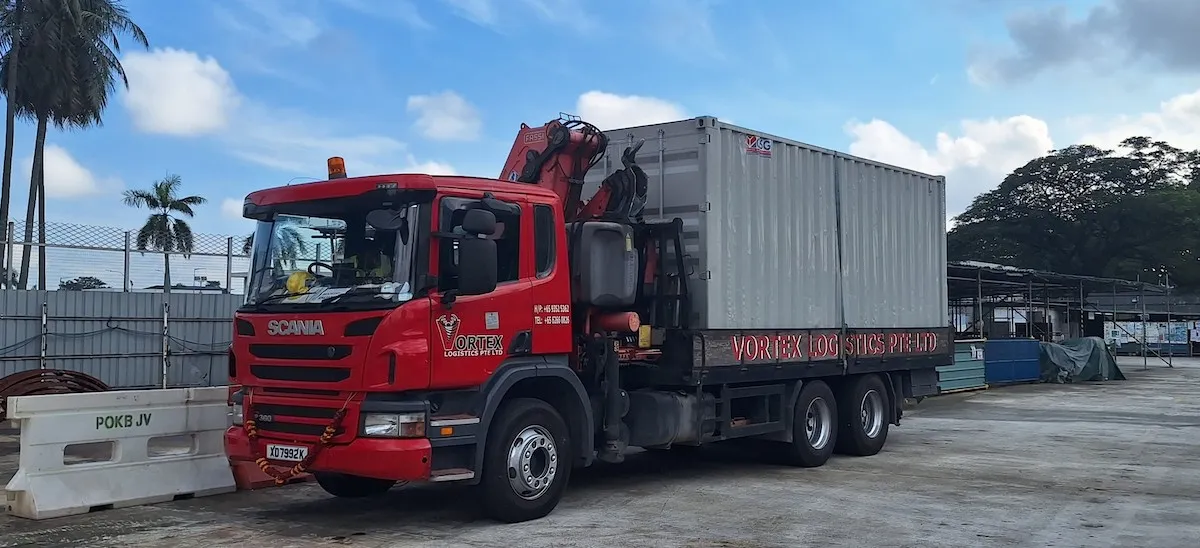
<point x="1114" y="464"/>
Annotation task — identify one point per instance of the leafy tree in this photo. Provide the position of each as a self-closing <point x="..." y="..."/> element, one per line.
<point x="1086" y="210"/>
<point x="64" y="69"/>
<point x="164" y="231"/>
<point x="81" y="283"/>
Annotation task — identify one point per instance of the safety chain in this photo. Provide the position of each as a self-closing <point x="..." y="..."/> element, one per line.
<point x="281" y="476"/>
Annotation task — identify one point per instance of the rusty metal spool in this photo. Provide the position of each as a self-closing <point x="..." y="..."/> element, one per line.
<point x="46" y="381"/>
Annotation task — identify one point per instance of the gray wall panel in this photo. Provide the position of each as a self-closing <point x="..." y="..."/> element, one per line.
<point x="117" y="337"/>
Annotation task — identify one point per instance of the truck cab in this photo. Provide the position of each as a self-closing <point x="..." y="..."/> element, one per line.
<point x="383" y="316"/>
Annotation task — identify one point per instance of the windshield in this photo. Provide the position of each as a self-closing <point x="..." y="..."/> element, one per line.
<point x="359" y="259"/>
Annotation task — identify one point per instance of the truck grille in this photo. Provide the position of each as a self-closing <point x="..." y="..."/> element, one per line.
<point x="294" y="419"/>
<point x="307" y="352"/>
<point x="300" y="373"/>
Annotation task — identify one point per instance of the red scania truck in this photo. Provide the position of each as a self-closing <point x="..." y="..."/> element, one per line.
<point x="600" y="294"/>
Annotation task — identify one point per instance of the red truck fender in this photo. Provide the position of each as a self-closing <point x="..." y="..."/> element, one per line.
<point x="549" y="378"/>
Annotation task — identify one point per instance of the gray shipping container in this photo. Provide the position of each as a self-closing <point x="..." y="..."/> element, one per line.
<point x="784" y="235"/>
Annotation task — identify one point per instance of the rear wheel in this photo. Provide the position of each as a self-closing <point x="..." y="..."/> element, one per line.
<point x="527" y="461"/>
<point x="352" y="487"/>
<point x="814" y="426"/>
<point x="863" y="421"/>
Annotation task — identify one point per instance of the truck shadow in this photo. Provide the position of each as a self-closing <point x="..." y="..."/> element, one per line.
<point x="439" y="509"/>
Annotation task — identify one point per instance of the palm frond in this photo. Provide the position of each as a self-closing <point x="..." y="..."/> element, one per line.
<point x="141" y="198"/>
<point x="184" y="240"/>
<point x="184" y="205"/>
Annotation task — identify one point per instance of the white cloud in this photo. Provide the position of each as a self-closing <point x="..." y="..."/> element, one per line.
<point x="232" y="208"/>
<point x="609" y="111"/>
<point x="480" y="12"/>
<point x="445" y="116"/>
<point x="66" y="177"/>
<point x="429" y="168"/>
<point x="176" y="92"/>
<point x="298" y="143"/>
<point x="685" y="28"/>
<point x="1177" y="121"/>
<point x="986" y="151"/>
<point x="973" y="162"/>
<point x="402" y="11"/>
<point x="565" y="14"/>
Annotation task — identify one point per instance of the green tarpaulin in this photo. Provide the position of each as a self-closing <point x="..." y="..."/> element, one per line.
<point x="1079" y="360"/>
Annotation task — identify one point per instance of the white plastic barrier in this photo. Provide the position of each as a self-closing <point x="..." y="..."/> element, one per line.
<point x="165" y="444"/>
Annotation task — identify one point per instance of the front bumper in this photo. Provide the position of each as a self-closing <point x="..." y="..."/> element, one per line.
<point x="391" y="459"/>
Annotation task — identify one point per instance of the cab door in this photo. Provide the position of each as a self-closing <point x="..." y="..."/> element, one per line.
<point x="472" y="336"/>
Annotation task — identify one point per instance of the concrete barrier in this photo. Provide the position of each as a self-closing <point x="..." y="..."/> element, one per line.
<point x="86" y="452"/>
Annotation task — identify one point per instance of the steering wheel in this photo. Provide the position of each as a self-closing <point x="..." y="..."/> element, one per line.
<point x="326" y="266"/>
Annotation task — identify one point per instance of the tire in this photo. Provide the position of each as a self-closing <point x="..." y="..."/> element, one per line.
<point x="528" y="435"/>
<point x="352" y="487"/>
<point x="863" y="418"/>
<point x="814" y="426"/>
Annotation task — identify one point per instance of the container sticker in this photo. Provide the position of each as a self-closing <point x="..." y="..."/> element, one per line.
<point x="492" y="320"/>
<point x="759" y="146"/>
<point x="460" y="345"/>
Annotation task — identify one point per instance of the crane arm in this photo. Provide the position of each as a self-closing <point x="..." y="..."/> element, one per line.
<point x="558" y="155"/>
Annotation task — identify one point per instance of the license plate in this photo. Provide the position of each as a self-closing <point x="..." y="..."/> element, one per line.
<point x="286" y="452"/>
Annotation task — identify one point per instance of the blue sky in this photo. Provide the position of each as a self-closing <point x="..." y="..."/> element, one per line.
<point x="236" y="95"/>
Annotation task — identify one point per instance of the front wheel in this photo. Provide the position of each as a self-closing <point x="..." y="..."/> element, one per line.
<point x="814" y="426"/>
<point x="352" y="487"/>
<point x="527" y="461"/>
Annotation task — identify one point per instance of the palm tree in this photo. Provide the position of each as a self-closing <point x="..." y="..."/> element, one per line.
<point x="64" y="75"/>
<point x="10" y="127"/>
<point x="164" y="231"/>
<point x="290" y="243"/>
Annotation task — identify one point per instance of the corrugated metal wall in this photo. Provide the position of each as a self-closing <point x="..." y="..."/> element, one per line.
<point x="771" y="236"/>
<point x="768" y="257"/>
<point x="117" y="337"/>
<point x="893" y="246"/>
<point x="967" y="371"/>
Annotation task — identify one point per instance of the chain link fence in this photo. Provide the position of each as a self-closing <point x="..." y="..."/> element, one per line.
<point x="83" y="257"/>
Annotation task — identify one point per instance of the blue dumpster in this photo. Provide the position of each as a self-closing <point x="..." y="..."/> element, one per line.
<point x="1012" y="360"/>
<point x="967" y="371"/>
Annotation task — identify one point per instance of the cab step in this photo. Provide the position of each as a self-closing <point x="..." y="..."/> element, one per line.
<point x="451" y="474"/>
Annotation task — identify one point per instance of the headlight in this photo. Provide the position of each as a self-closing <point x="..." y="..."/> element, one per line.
<point x="236" y="417"/>
<point x="394" y="425"/>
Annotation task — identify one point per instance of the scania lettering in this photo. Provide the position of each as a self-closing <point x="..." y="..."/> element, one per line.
<point x="503" y="332"/>
<point x="295" y="327"/>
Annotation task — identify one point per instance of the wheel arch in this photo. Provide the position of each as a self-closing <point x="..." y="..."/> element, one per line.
<point x="550" y="379"/>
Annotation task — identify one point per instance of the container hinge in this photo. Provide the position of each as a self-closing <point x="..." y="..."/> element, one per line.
<point x="706" y="275"/>
<point x="705" y="139"/>
<point x="706" y="206"/>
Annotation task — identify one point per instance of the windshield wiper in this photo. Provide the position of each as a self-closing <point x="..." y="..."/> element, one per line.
<point x="358" y="291"/>
<point x="279" y="297"/>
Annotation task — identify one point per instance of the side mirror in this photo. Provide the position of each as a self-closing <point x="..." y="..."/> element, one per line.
<point x="476" y="265"/>
<point x="479" y="221"/>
